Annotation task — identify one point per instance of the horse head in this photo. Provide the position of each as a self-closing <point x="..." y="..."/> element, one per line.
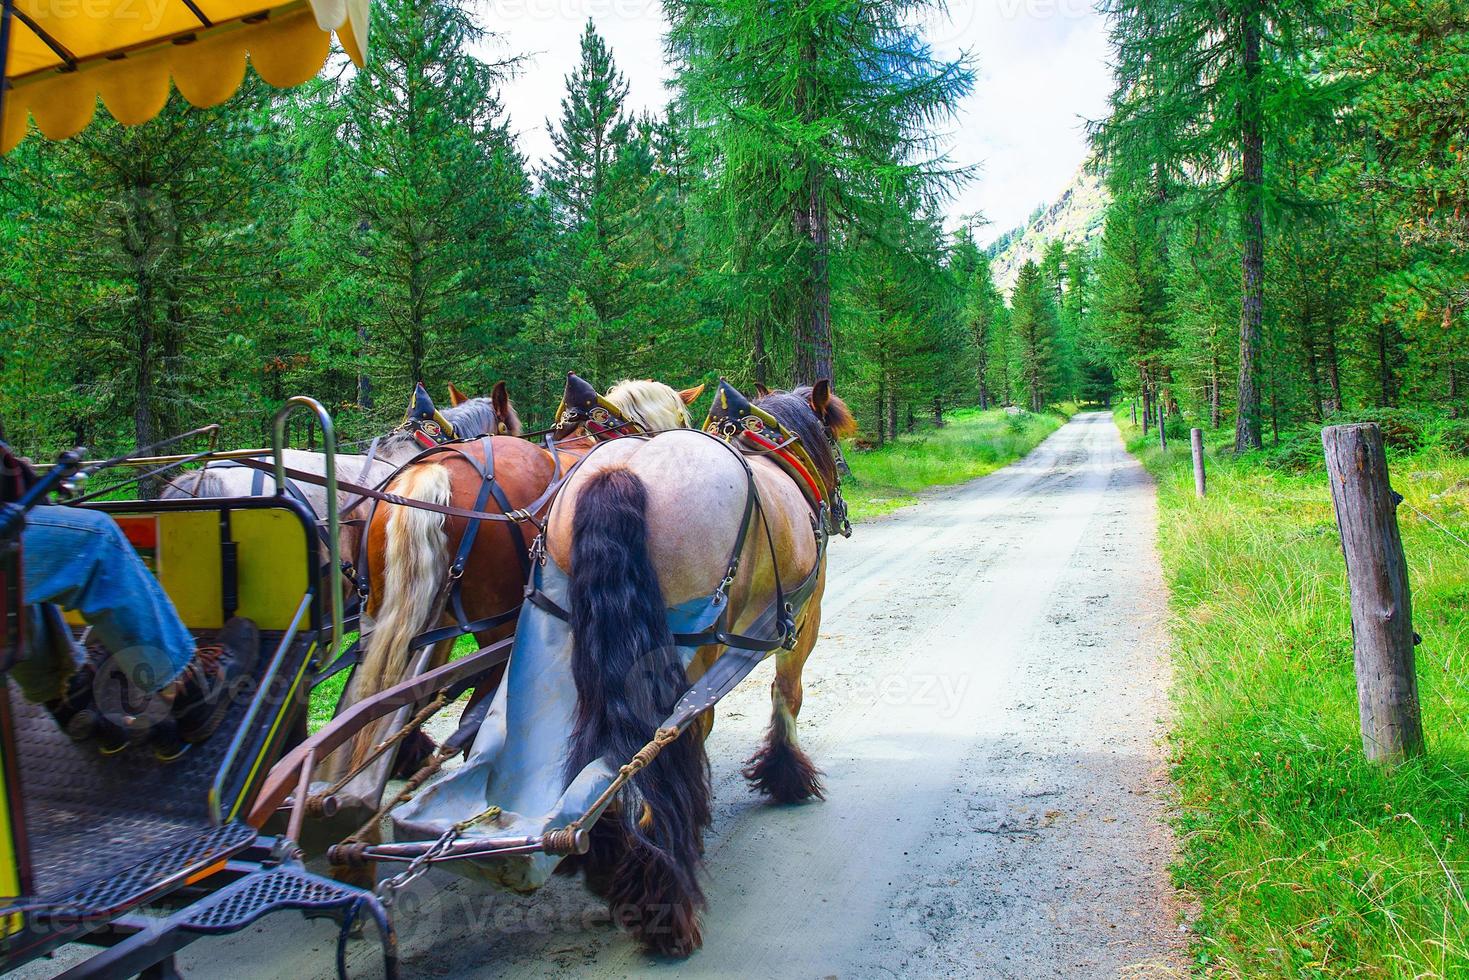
<point x="653" y="405"/>
<point x="646" y="406"/>
<point x="466" y="418"/>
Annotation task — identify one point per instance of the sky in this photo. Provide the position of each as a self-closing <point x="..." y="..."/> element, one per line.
<point x="1041" y="74"/>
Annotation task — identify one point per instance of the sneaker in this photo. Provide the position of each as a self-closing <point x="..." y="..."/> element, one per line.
<point x="76" y="710"/>
<point x="79" y="714"/>
<point x="203" y="693"/>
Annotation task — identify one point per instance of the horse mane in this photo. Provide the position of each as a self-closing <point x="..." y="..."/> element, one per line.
<point x="199" y="483"/>
<point x="793" y="410"/>
<point x="470" y="420"/>
<point x="651" y="404"/>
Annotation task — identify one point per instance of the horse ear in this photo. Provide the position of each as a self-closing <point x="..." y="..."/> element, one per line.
<point x="821" y="398"/>
<point x="500" y="398"/>
<point x="456" y="397"/>
<point x="761" y="391"/>
<point x="691" y="395"/>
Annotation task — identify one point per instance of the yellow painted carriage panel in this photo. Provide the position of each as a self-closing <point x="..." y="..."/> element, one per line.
<point x="272" y="562"/>
<point x="182" y="549"/>
<point x="9" y="864"/>
<point x="188" y="565"/>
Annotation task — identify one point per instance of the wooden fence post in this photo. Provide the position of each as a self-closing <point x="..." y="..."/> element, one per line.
<point x="1382" y="609"/>
<point x="1162" y="431"/>
<point x="1200" y="480"/>
<point x="1134" y="411"/>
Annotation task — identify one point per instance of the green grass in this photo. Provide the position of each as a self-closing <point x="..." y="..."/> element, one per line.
<point x="971" y="445"/>
<point x="1305" y="860"/>
<point x="324" y="697"/>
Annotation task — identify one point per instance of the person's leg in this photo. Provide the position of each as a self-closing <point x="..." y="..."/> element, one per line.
<point x="49" y="660"/>
<point x="80" y="560"/>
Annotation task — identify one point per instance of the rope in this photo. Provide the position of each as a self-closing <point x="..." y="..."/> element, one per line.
<point x="391" y="740"/>
<point x="566" y="836"/>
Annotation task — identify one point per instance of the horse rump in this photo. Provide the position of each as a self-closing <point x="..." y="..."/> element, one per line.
<point x="628" y="679"/>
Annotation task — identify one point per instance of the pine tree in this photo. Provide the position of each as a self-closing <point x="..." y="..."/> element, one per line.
<point x="145" y="279"/>
<point x="814" y="121"/>
<point x="1034" y="325"/>
<point x="586" y="141"/>
<point x="984" y="315"/>
<point x="1130" y="310"/>
<point x="416" y="193"/>
<point x="1200" y="87"/>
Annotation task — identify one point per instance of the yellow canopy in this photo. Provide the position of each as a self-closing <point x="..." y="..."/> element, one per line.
<point x="64" y="54"/>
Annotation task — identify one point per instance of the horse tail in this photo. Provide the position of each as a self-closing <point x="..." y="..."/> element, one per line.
<point x="628" y="678"/>
<point x="411" y="583"/>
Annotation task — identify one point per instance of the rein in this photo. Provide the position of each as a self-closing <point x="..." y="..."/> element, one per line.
<point x="524" y="515"/>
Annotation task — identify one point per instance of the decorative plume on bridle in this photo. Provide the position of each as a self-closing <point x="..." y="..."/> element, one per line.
<point x="426" y="422"/>
<point x="582" y="407"/>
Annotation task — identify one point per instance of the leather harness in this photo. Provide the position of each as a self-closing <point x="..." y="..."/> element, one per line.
<point x="787" y="606"/>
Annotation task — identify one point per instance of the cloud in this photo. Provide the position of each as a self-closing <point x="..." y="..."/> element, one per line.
<point x="1042" y="73"/>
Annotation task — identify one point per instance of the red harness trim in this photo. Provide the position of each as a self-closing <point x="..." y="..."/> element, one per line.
<point x="606" y="432"/>
<point x="771" y="447"/>
<point x="424" y="439"/>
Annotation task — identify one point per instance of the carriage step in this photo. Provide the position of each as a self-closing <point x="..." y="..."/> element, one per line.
<point x="287" y="887"/>
<point x="185" y="856"/>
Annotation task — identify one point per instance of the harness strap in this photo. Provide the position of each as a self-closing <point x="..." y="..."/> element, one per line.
<point x="363" y="476"/>
<point x="786" y="606"/>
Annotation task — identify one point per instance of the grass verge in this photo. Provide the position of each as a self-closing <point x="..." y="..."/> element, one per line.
<point x="1305" y="860"/>
<point x="971" y="445"/>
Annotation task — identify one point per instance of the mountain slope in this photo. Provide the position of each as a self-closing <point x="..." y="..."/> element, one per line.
<point x="1075" y="217"/>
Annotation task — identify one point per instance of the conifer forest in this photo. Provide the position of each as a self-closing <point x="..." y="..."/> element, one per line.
<point x="1284" y="240"/>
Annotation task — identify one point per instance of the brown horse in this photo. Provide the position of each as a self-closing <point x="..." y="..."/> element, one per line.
<point x="423" y="575"/>
<point x="652" y="547"/>
<point x="466" y="418"/>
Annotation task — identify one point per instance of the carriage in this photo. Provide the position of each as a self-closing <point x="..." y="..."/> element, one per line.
<point x="90" y="843"/>
<point x="209" y="844"/>
<point x="140" y="858"/>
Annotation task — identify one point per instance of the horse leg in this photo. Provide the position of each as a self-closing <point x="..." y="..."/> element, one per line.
<point x="780" y="770"/>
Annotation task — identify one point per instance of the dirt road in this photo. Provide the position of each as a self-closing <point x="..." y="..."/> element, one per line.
<point x="985" y="703"/>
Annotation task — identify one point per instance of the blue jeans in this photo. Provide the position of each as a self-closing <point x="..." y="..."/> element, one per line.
<point x="80" y="560"/>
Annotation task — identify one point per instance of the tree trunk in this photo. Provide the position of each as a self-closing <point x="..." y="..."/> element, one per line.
<point x="1214" y="394"/>
<point x="892" y="412"/>
<point x="364" y="379"/>
<point x="1333" y="367"/>
<point x="813" y="328"/>
<point x="881" y="411"/>
<point x="1252" y="306"/>
<point x="1384" y="368"/>
<point x="812" y="219"/>
<point x="1382" y="608"/>
<point x="762" y="361"/>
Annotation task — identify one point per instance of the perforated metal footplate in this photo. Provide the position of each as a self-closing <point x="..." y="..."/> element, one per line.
<point x="188" y="854"/>
<point x="288" y="887"/>
<point x="89" y="817"/>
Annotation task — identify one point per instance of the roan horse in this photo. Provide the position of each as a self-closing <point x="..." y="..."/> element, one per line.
<point x="663" y="557"/>
<point x="467" y="418"/>
<point x="423" y="574"/>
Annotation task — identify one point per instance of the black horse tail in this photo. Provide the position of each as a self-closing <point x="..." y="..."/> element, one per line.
<point x="628" y="679"/>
